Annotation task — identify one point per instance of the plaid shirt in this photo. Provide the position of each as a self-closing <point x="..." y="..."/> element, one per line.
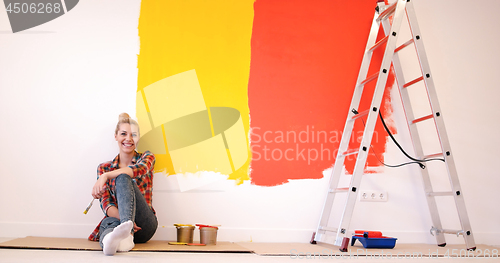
<point x="142" y="166"/>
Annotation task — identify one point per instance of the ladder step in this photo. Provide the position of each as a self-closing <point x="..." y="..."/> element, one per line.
<point x="379" y="43"/>
<point x="447" y="231"/>
<point x="384" y="40"/>
<point x="388" y="12"/>
<point x="413" y="82"/>
<point x="440" y="194"/>
<point x="422" y="119"/>
<point x="360" y="114"/>
<point x="370" y="78"/>
<point x="433" y="155"/>
<point x="349" y="152"/>
<point x="328" y="229"/>
<point x="407" y="43"/>
<point x="339" y="190"/>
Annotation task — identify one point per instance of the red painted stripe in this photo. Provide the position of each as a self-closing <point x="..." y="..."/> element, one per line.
<point x="305" y="57"/>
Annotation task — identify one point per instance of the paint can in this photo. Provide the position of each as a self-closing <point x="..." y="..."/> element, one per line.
<point x="208" y="235"/>
<point x="185" y="233"/>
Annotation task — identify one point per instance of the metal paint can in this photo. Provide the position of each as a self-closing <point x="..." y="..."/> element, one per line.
<point x="208" y="235"/>
<point x="185" y="234"/>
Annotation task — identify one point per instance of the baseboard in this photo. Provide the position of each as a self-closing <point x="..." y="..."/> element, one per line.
<point x="231" y="234"/>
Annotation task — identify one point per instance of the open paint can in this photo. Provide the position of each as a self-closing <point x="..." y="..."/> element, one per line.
<point x="185" y="233"/>
<point x="208" y="235"/>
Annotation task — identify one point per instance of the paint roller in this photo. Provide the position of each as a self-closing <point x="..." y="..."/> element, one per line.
<point x="368" y="234"/>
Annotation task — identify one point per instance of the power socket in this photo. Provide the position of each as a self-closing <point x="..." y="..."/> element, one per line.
<point x="372" y="196"/>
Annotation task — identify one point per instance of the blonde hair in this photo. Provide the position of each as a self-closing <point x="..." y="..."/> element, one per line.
<point x="125" y="118"/>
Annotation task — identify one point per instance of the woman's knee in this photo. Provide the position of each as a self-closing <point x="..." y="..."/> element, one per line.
<point x="123" y="178"/>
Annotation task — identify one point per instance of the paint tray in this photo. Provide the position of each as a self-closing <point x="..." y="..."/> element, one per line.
<point x="371" y="242"/>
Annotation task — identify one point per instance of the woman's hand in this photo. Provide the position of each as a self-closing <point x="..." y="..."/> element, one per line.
<point x="99" y="186"/>
<point x="113" y="212"/>
<point x="136" y="228"/>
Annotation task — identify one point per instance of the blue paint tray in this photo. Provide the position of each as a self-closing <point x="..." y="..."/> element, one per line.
<point x="371" y="242"/>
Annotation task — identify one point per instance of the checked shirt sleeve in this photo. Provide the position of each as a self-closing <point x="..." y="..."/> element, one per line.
<point x="144" y="165"/>
<point x="107" y="199"/>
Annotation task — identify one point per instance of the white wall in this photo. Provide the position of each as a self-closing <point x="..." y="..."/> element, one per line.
<point x="63" y="84"/>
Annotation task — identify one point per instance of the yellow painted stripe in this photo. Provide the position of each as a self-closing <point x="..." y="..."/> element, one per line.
<point x="145" y="100"/>
<point x="164" y="137"/>
<point x="230" y="160"/>
<point x="147" y="109"/>
<point x="211" y="124"/>
<point x="168" y="159"/>
<point x="212" y="37"/>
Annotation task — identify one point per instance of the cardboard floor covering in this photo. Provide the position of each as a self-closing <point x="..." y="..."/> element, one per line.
<point x="294" y="250"/>
<point x="324" y="251"/>
<point x="84" y="244"/>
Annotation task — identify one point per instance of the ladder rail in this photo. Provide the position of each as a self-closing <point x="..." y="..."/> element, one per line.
<point x="347" y="132"/>
<point x="439" y="121"/>
<point x="415" y="139"/>
<point x="370" y="125"/>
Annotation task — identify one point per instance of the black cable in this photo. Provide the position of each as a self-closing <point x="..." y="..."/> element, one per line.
<point x="415" y="161"/>
<point x="380" y="161"/>
<point x="401" y="148"/>
<point x="389" y="165"/>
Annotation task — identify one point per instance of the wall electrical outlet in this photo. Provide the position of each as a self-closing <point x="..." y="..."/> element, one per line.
<point x="372" y="196"/>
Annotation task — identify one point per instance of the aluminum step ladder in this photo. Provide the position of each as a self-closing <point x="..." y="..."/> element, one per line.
<point x="390" y="17"/>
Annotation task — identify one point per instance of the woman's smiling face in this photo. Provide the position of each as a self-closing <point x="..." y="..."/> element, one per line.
<point x="127" y="137"/>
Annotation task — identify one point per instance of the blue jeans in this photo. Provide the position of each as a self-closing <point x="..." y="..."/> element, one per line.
<point x="131" y="206"/>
